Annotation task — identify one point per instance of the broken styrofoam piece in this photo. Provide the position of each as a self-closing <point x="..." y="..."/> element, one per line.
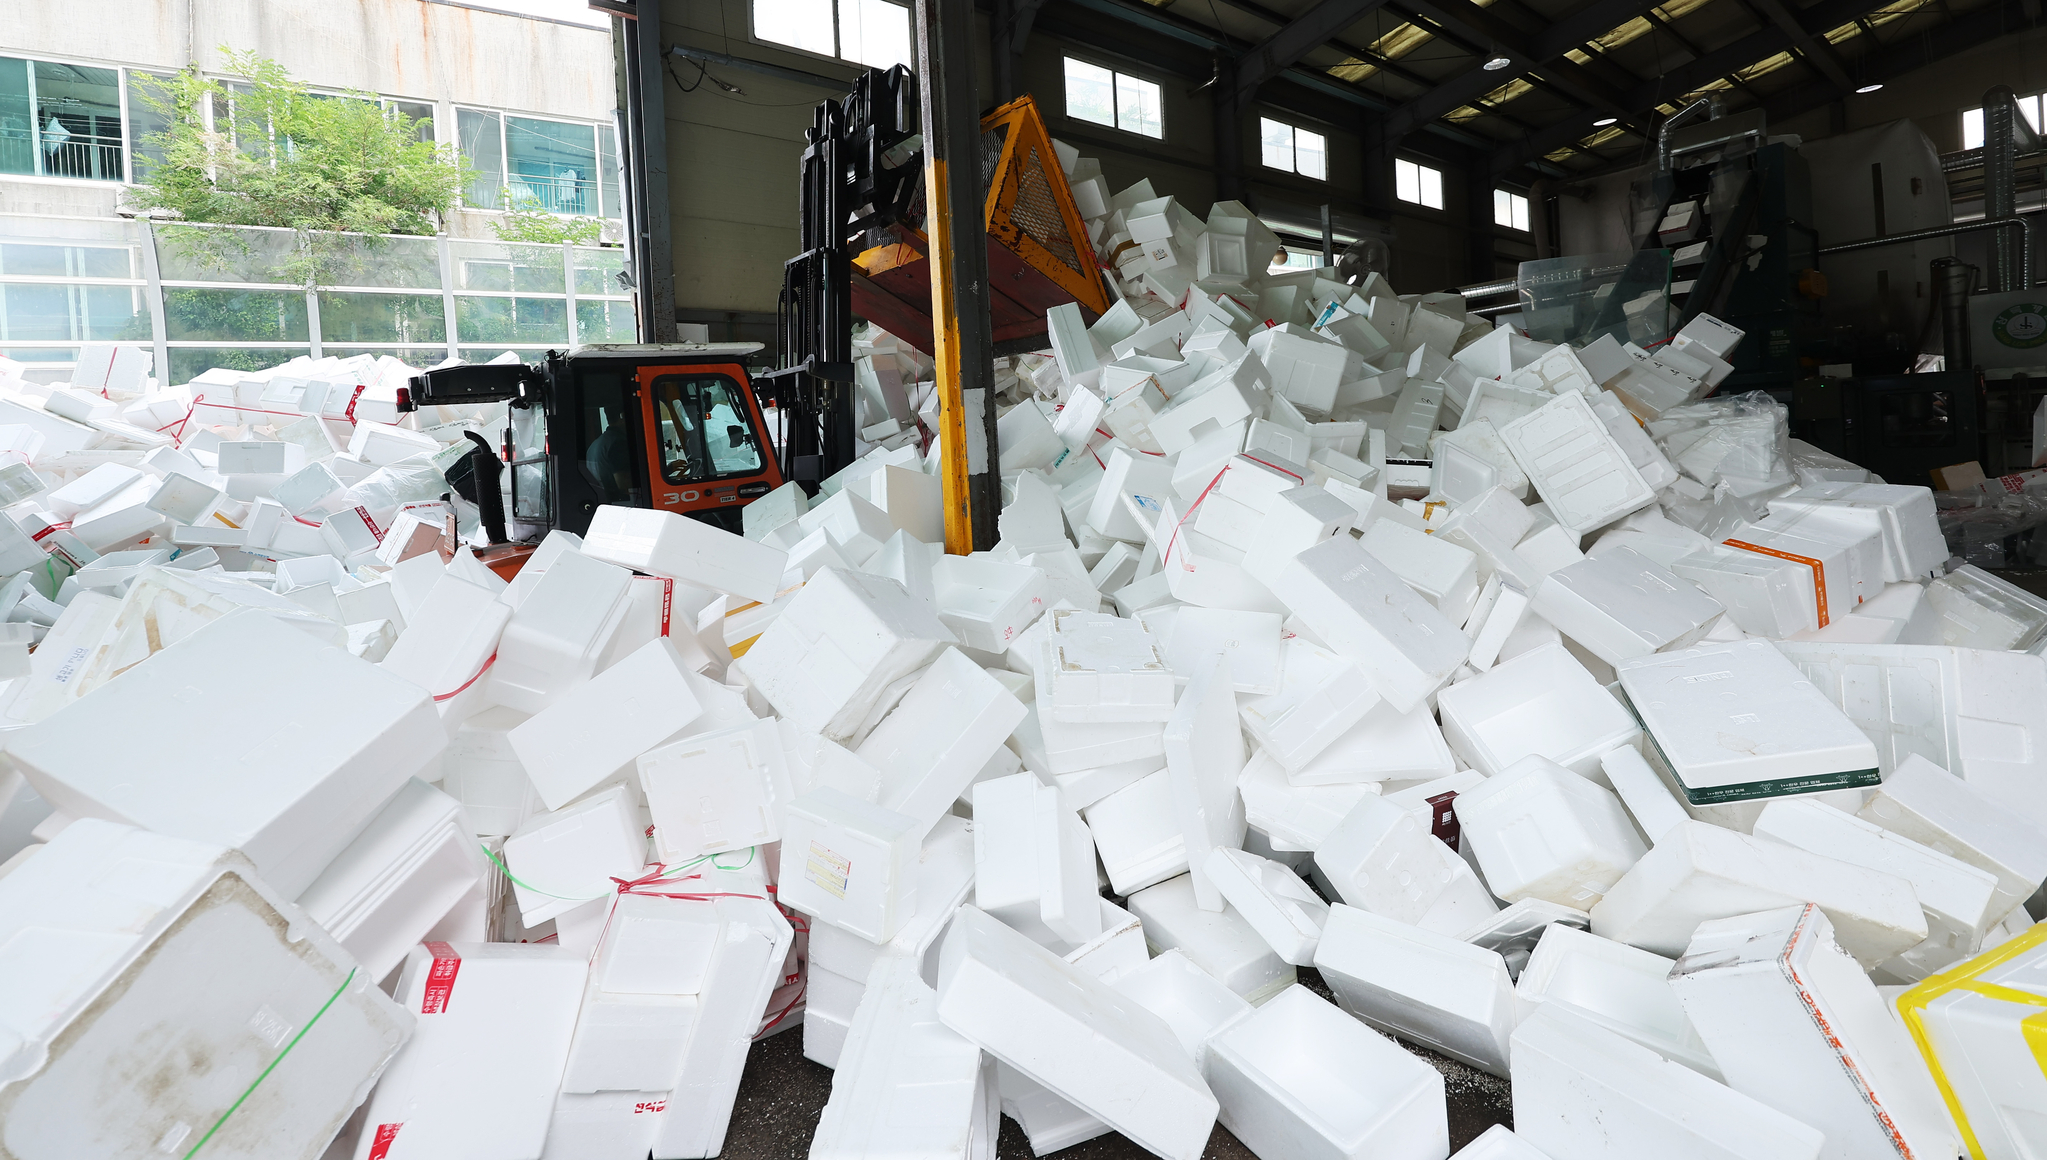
<point x="1297" y="1078"/>
<point x="1072" y="1034"/>
<point x="1762" y="730"/>
<point x="1284" y="910"/>
<point x="1581" y="1090"/>
<point x="1448" y="994"/>
<point x="1542" y="831"/>
<point x="1795" y="1025"/>
<point x="1698" y="872"/>
<point x="1541" y="702"/>
<point x="906" y="1084"/>
<point x="1621" y="988"/>
<point x="1223" y="943"/>
<point x="1033" y="862"/>
<point x="142" y="749"/>
<point x="493" y="1026"/>
<point x="190" y="935"/>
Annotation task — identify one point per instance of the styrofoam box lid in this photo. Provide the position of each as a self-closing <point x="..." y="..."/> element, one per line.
<point x="133" y="955"/>
<point x="1737" y="722"/>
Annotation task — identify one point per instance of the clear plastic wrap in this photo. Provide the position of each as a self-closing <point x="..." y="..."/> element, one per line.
<point x="1743" y="441"/>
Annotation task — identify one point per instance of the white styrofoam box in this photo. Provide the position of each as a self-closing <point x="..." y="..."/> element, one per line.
<point x="1381" y="859"/>
<point x="1296" y="520"/>
<point x="1193" y="1002"/>
<point x="1499" y="1143"/>
<point x="717" y="791"/>
<point x="1970" y="711"/>
<point x="1079" y="357"/>
<point x="1715" y="337"/>
<point x="1454" y="997"/>
<point x="1766" y="731"/>
<point x="1296" y="1078"/>
<point x="1321" y="697"/>
<point x="744" y="971"/>
<point x="555" y="636"/>
<point x="1575" y="465"/>
<point x="1700" y="871"/>
<point x="562" y="859"/>
<point x="1925" y="804"/>
<point x="673" y="545"/>
<point x="1467" y="462"/>
<point x="1034" y="862"/>
<point x="143" y="952"/>
<point x="1624" y="989"/>
<point x="771" y="511"/>
<point x="1223" y="943"/>
<point x="1978" y="610"/>
<point x="483" y="773"/>
<point x="381" y="443"/>
<point x="1976" y="1030"/>
<point x="1762" y="594"/>
<point x="1204" y="755"/>
<point x="1650" y="802"/>
<point x="1621" y="605"/>
<point x="1073" y="1035"/>
<point x="1248" y="642"/>
<point x="1363" y="611"/>
<point x="1284" y="911"/>
<point x="642" y="998"/>
<point x="1903" y="516"/>
<point x="1540" y="702"/>
<point x="1440" y="571"/>
<point x="94" y="487"/>
<point x="598" y="727"/>
<point x="841" y="641"/>
<point x="1305" y="368"/>
<point x="947" y="726"/>
<point x="987" y="602"/>
<point x="1070" y="748"/>
<point x="1128" y="472"/>
<point x="849" y="863"/>
<point x="1294" y="818"/>
<point x="336" y="739"/>
<point x="614" y="1125"/>
<point x="1542" y="831"/>
<point x="494" y="1023"/>
<point x="1103" y="668"/>
<point x="1581" y="1090"/>
<point x="1048" y="1122"/>
<point x="1386" y="745"/>
<point x="1795" y="1025"/>
<point x="415" y="862"/>
<point x="906" y="1084"/>
<point x="1840" y="564"/>
<point x="1137" y="834"/>
<point x="460" y="625"/>
<point x="1959" y="900"/>
<point x="1118" y="949"/>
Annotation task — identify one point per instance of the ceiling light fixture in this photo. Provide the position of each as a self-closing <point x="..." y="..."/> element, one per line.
<point x="1497" y="63"/>
<point x="1870" y="88"/>
<point x="1603" y="122"/>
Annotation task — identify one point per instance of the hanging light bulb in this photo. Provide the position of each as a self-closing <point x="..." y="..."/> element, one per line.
<point x="1603" y="122"/>
<point x="1497" y="63"/>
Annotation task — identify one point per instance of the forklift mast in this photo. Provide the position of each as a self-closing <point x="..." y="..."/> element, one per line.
<point x="861" y="170"/>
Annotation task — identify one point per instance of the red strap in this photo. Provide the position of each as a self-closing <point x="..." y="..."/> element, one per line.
<point x="464" y="686"/>
<point x="667" y="602"/>
<point x="440" y="980"/>
<point x="380" y="1144"/>
<point x="51" y="530"/>
<point x="370" y="523"/>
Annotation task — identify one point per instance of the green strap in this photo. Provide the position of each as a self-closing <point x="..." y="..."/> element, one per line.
<point x="248" y="1091"/>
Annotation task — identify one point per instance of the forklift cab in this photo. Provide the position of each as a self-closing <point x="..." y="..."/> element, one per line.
<point x="674" y="427"/>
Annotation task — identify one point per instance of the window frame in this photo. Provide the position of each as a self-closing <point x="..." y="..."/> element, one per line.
<point x="1516" y="201"/>
<point x="1115" y="105"/>
<point x="753" y="33"/>
<point x="597" y="131"/>
<point x="1421" y="194"/>
<point x="2036" y="121"/>
<point x="1294" y="139"/>
<point x="120" y="72"/>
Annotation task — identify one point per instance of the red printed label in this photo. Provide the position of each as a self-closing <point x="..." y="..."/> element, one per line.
<point x="370" y="523"/>
<point x="667" y="603"/>
<point x="440" y="980"/>
<point x="650" y="1106"/>
<point x="1443" y="822"/>
<point x="380" y="1144"/>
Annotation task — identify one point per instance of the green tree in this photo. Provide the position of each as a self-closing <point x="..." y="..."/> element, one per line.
<point x="325" y="167"/>
<point x="527" y="222"/>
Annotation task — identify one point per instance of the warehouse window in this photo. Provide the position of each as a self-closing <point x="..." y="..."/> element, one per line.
<point x="531" y="164"/>
<point x="1106" y="97"/>
<point x="1418" y="184"/>
<point x="1510" y="210"/>
<point x="61" y="120"/>
<point x="1294" y="150"/>
<point x="1972" y="121"/>
<point x="875" y="33"/>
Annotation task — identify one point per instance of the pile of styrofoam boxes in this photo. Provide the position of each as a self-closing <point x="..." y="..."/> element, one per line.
<point x="1565" y="721"/>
